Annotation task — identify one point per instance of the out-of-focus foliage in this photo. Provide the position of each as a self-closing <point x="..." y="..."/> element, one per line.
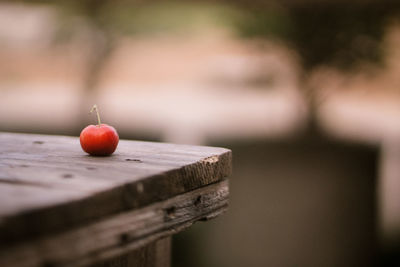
<point x="126" y="17"/>
<point x="339" y="34"/>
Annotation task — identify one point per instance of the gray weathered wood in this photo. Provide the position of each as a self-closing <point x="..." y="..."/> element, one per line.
<point x="155" y="254"/>
<point x="115" y="235"/>
<point x="48" y="184"/>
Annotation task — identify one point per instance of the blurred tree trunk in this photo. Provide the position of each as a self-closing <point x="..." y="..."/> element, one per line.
<point x="101" y="48"/>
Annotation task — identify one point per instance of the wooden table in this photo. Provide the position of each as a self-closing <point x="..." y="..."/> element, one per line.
<point x="61" y="207"/>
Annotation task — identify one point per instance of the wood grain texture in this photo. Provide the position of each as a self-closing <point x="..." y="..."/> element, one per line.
<point x="48" y="184"/>
<point x="155" y="254"/>
<point x="117" y="235"/>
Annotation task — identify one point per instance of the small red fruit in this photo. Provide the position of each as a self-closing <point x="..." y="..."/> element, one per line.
<point x="100" y="139"/>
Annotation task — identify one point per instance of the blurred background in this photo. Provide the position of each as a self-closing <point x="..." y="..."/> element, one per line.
<point x="305" y="92"/>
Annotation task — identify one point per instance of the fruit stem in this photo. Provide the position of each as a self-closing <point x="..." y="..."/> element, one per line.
<point x="97" y="112"/>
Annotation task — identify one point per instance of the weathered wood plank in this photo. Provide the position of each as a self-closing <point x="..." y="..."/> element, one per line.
<point x="155" y="254"/>
<point x="116" y="235"/>
<point x="56" y="186"/>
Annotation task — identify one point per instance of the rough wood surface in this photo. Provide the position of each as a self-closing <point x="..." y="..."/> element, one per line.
<point x="116" y="235"/>
<point x="48" y="184"/>
<point x="155" y="254"/>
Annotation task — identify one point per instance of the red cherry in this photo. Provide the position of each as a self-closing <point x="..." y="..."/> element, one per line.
<point x="99" y="140"/>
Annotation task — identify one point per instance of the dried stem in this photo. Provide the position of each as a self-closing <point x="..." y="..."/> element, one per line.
<point x="97" y="112"/>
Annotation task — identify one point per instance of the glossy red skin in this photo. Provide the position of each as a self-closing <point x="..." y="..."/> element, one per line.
<point x="99" y="140"/>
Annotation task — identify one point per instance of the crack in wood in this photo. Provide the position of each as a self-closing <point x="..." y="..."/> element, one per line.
<point x="38" y="142"/>
<point x="67" y="176"/>
<point x="15" y="181"/>
<point x="135" y="160"/>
